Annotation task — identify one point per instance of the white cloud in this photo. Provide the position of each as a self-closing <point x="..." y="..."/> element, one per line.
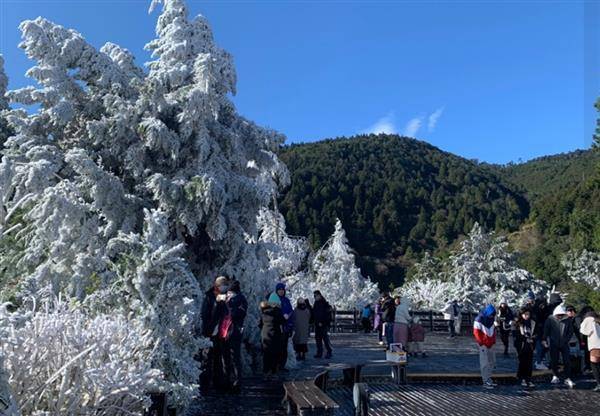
<point x="433" y="119"/>
<point x="412" y="127"/>
<point x="385" y="125"/>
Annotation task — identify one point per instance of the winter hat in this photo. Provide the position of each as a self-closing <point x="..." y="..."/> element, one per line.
<point x="530" y="295"/>
<point x="279" y="286"/>
<point x="489" y="310"/>
<point x="559" y="310"/>
<point x="274" y="299"/>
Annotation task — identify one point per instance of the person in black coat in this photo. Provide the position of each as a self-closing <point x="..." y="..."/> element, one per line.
<point x="321" y="315"/>
<point x="237" y="306"/>
<point x="539" y="313"/>
<point x="214" y="310"/>
<point x="271" y="332"/>
<point x="504" y="320"/>
<point x="388" y="315"/>
<point x="525" y="334"/>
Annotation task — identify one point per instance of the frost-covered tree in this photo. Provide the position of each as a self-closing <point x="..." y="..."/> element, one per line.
<point x="334" y="272"/>
<point x="482" y="270"/>
<point x="426" y="288"/>
<point x="583" y="267"/>
<point x="287" y="254"/>
<point x="135" y="189"/>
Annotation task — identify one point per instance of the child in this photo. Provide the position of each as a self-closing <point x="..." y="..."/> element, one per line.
<point x="525" y="335"/>
<point x="416" y="337"/>
<point x="300" y="339"/>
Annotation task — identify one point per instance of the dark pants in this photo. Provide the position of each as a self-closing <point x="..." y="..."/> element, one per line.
<point x="322" y="336"/>
<point x="451" y="327"/>
<point x="270" y="363"/>
<point x="525" y="362"/>
<point x="504" y="337"/>
<point x="232" y="358"/>
<point x="380" y="332"/>
<point x="388" y="328"/>
<point x="217" y="358"/>
<point x="366" y="324"/>
<point x="555" y="353"/>
<point x="283" y="355"/>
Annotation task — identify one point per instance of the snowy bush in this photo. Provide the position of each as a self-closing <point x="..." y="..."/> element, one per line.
<point x="62" y="361"/>
<point x="583" y="267"/>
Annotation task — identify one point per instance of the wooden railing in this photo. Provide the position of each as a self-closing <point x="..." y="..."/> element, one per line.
<point x="350" y="320"/>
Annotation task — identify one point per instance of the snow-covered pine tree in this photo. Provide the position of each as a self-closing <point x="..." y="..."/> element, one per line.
<point x="137" y="188"/>
<point x="335" y="274"/>
<point x="583" y="267"/>
<point x="482" y="270"/>
<point x="427" y="288"/>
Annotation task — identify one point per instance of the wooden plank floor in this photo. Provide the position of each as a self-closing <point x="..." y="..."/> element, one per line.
<point x="452" y="400"/>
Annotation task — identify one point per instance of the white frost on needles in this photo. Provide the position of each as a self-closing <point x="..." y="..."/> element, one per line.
<point x="130" y="192"/>
<point x="481" y="271"/>
<point x="583" y="267"/>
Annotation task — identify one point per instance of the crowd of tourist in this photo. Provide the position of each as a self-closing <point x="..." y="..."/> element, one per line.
<point x="546" y="334"/>
<point x="541" y="328"/>
<point x="223" y="313"/>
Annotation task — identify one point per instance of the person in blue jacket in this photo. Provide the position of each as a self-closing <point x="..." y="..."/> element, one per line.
<point x="288" y="328"/>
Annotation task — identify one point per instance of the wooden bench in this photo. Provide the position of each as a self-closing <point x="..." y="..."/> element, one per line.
<point x="305" y="398"/>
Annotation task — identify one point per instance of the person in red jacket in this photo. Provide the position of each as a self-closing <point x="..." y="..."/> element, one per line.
<point x="485" y="335"/>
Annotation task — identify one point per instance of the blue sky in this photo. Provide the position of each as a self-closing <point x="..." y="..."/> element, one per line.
<point x="496" y="81"/>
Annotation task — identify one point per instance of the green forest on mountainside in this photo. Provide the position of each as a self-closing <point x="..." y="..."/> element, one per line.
<point x="396" y="197"/>
<point x="548" y="175"/>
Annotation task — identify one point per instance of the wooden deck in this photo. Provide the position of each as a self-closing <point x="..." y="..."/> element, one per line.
<point x="448" y="378"/>
<point x="452" y="400"/>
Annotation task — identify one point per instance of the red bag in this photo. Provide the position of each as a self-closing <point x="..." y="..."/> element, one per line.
<point x="224" y="326"/>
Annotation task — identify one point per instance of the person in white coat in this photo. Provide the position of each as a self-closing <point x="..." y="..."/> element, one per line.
<point x="451" y="311"/>
<point x="590" y="327"/>
<point x="401" y="321"/>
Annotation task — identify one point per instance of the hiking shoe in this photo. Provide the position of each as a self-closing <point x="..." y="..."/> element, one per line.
<point x="540" y="366"/>
<point x="524" y="383"/>
<point x="570" y="383"/>
<point x="531" y="385"/>
<point x="555" y="380"/>
<point x="380" y="342"/>
<point x="597" y="389"/>
<point x="488" y="385"/>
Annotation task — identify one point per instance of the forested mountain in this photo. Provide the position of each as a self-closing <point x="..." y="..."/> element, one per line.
<point x="548" y="175"/>
<point x="395" y="196"/>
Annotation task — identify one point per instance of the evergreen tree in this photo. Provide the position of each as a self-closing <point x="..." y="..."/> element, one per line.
<point x="131" y="191"/>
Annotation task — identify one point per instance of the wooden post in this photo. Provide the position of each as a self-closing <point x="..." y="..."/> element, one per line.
<point x="354" y="323"/>
<point x="431" y="320"/>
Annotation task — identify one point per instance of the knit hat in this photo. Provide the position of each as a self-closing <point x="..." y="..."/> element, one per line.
<point x="279" y="286"/>
<point x="559" y="310"/>
<point x="530" y="295"/>
<point x="274" y="299"/>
